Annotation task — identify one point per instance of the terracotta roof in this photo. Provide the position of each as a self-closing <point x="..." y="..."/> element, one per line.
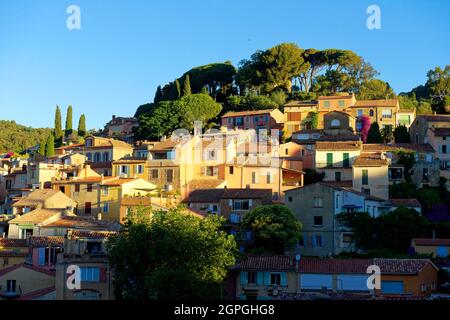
<point x="405" y="202"/>
<point x="334" y="265"/>
<point x="339" y="137"/>
<point x="27" y="266"/>
<point x="375" y="103"/>
<point x="441" y="132"/>
<point x="87" y="180"/>
<point x="300" y="104"/>
<point x="205" y="183"/>
<point x="434" y="118"/>
<point x="36" y="294"/>
<point x="116" y="181"/>
<point x="36" y="216"/>
<point x="46" y="241"/>
<point x="341" y="145"/>
<point x="370" y="160"/>
<point x="254" y="147"/>
<point x="75" y="145"/>
<point x="348" y="186"/>
<point x="166" y="145"/>
<point x="35" y="198"/>
<point x="431" y="242"/>
<point x="401" y="266"/>
<point x="338" y="184"/>
<point x="308" y="131"/>
<point x="101" y="142"/>
<point x="247" y="113"/>
<point x="92" y="234"/>
<point x="259" y="161"/>
<point x="13" y="243"/>
<point x="214" y="195"/>
<point x="337" y="96"/>
<point x="136" y="201"/>
<point x="266" y="262"/>
<point x="78" y="222"/>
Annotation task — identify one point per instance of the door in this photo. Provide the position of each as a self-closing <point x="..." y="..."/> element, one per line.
<point x="337" y="176"/>
<point x="392" y="287"/>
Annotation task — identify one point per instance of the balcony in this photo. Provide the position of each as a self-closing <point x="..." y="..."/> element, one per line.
<point x="11" y="294"/>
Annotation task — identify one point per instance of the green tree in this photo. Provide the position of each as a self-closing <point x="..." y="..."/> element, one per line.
<point x="50" y="146"/>
<point x="387" y="134"/>
<point x="401" y="134"/>
<point x="42" y="145"/>
<point x="82" y="126"/>
<point x="58" y="128"/>
<point x="198" y="107"/>
<point x="158" y="95"/>
<point x="170" y="256"/>
<point x="374" y="135"/>
<point x="403" y="190"/>
<point x="275" y="228"/>
<point x="187" y="86"/>
<point x="16" y="138"/>
<point x="439" y="82"/>
<point x="178" y="88"/>
<point x="312" y="176"/>
<point x="428" y="198"/>
<point x="69" y="122"/>
<point x="408" y="160"/>
<point x="375" y="89"/>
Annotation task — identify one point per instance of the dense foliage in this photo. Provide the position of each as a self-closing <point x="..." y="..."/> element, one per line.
<point x="16" y="138"/>
<point x="170" y="256"/>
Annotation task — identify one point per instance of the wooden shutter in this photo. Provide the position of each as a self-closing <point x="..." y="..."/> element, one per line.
<point x="41" y="256"/>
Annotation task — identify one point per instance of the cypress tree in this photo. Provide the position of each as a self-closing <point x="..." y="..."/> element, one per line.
<point x="178" y="88"/>
<point x="69" y="122"/>
<point x="374" y="135"/>
<point x="58" y="128"/>
<point x="82" y="126"/>
<point x="187" y="86"/>
<point x="205" y="90"/>
<point x="42" y="145"/>
<point x="50" y="146"/>
<point x="158" y="95"/>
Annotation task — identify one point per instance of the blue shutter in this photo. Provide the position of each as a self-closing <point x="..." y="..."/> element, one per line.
<point x="248" y="235"/>
<point x="41" y="255"/>
<point x="267" y="278"/>
<point x="244" y="277"/>
<point x="242" y="297"/>
<point x="260" y="278"/>
<point x="283" y="279"/>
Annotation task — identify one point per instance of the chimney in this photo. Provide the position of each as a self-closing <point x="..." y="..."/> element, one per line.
<point x="114" y="117"/>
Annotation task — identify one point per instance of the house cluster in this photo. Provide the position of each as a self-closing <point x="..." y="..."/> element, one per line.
<point x="58" y="211"/>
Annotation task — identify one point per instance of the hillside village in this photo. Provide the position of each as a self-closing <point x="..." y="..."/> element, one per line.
<point x="312" y="191"/>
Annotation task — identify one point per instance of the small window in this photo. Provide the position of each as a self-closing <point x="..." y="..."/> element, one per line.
<point x="231" y="170"/>
<point x="318" y="241"/>
<point x="341" y="103"/>
<point x="140" y="169"/>
<point x="318" y="202"/>
<point x="318" y="221"/>
<point x="106" y="207"/>
<point x="371" y="113"/>
<point x="154" y="173"/>
<point x="105" y="191"/>
<point x="275" y="279"/>
<point x="359" y="113"/>
<point x="169" y="176"/>
<point x="255" y="177"/>
<point x="290" y="199"/>
<point x="365" y="177"/>
<point x="326" y="104"/>
<point x="87" y="207"/>
<point x="251" y="278"/>
<point x="89" y="187"/>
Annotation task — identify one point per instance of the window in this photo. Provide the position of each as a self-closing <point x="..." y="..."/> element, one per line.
<point x="210" y="155"/>
<point x="425" y="173"/>
<point x="371" y="113"/>
<point x="255" y="177"/>
<point x="329" y="159"/>
<point x="269" y="177"/>
<point x="335" y="123"/>
<point x="318" y="221"/>
<point x="169" y="175"/>
<point x="341" y="103"/>
<point x="346" y="160"/>
<point x="386" y="113"/>
<point x="290" y="199"/>
<point x="105" y="191"/>
<point x="241" y="205"/>
<point x="359" y="112"/>
<point x="318" y="202"/>
<point x="337" y="176"/>
<point x="90" y="274"/>
<point x="444" y="148"/>
<point x="210" y="171"/>
<point x="97" y="157"/>
<point x="275" y="279"/>
<point x="105" y="156"/>
<point x="106" y="207"/>
<point x="89" y="142"/>
<point x="171" y="155"/>
<point x="94" y="247"/>
<point x="124" y="170"/>
<point x="317" y="241"/>
<point x="231" y="170"/>
<point x="239" y="121"/>
<point x="89" y="187"/>
<point x="286" y="151"/>
<point x="77" y="187"/>
<point x="11" y="286"/>
<point x="230" y="120"/>
<point x="89" y="156"/>
<point x="365" y="177"/>
<point x="251" y="278"/>
<point x="326" y="104"/>
<point x="62" y="189"/>
<point x="140" y="169"/>
<point x="87" y="207"/>
<point x="154" y="173"/>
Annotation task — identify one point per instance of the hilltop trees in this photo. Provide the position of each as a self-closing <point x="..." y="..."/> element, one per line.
<point x="82" y="126"/>
<point x="68" y="130"/>
<point x="58" y="133"/>
<point x="187" y="86"/>
<point x="170" y="256"/>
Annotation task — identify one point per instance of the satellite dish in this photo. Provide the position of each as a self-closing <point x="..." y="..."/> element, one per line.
<point x="297" y="258"/>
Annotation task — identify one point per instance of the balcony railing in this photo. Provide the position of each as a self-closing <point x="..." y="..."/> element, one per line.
<point x="7" y="294"/>
<point x="326" y="165"/>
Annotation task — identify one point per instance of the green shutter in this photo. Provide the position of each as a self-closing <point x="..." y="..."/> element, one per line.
<point x="244" y="277"/>
<point x="346" y="161"/>
<point x="329" y="159"/>
<point x="365" y="177"/>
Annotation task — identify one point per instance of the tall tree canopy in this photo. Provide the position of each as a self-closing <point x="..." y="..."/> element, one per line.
<point x="374" y="135"/>
<point x="82" y="126"/>
<point x="401" y="134"/>
<point x="16" y="138"/>
<point x="50" y="146"/>
<point x="275" y="228"/>
<point x="187" y="86"/>
<point x="375" y="89"/>
<point x="58" y="133"/>
<point x="69" y="121"/>
<point x="199" y="107"/>
<point x="170" y="256"/>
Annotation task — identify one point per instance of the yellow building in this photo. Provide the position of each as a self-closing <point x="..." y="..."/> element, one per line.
<point x="295" y="114"/>
<point x="12" y="252"/>
<point x="382" y="111"/>
<point x="370" y="175"/>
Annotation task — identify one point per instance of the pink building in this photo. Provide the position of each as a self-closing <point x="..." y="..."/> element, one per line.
<point x="256" y="119"/>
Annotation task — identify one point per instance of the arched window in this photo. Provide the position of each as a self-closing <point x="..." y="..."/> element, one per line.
<point x="335" y="123"/>
<point x="371" y="113"/>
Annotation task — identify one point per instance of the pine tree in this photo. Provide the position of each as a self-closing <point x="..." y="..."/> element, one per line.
<point x="50" y="146"/>
<point x="69" y="122"/>
<point x="374" y="135"/>
<point x="187" y="86"/>
<point x="58" y="128"/>
<point x="178" y="88"/>
<point x="82" y="126"/>
<point x="158" y="95"/>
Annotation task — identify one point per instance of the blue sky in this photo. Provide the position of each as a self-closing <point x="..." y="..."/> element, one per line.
<point x="126" y="48"/>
